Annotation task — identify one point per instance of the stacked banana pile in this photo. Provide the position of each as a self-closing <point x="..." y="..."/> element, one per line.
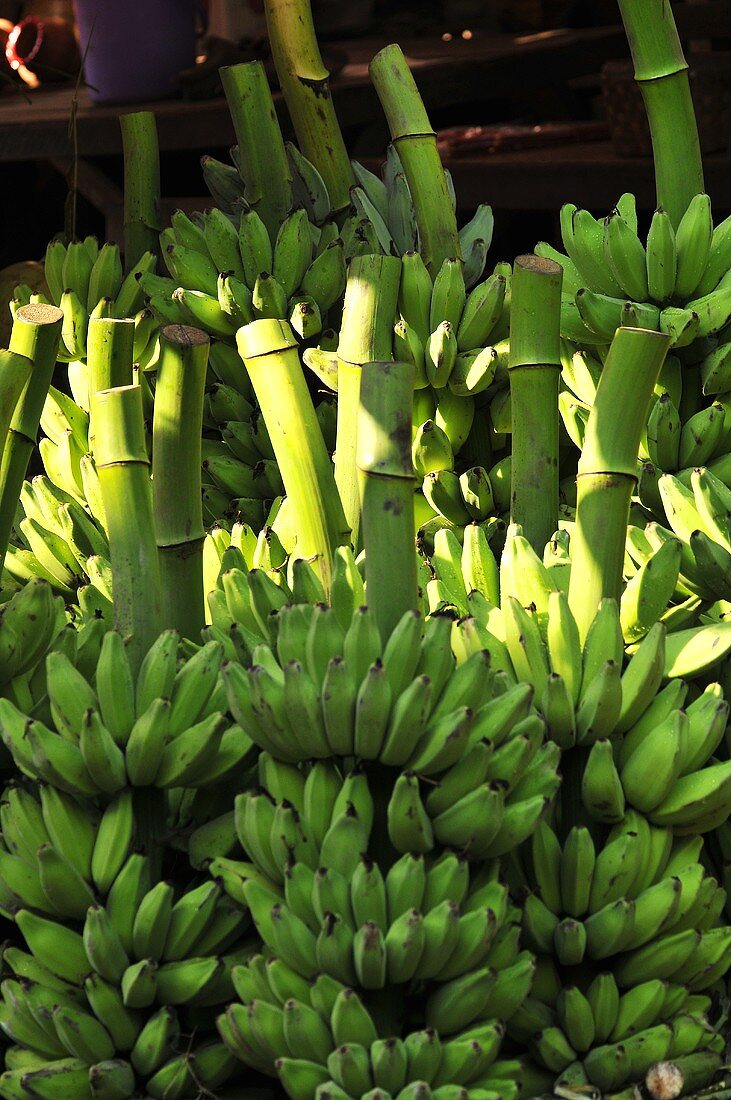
<point x="123" y="969"/>
<point x="225" y="271"/>
<point x="389" y="786"/>
<point x="616" y="870"/>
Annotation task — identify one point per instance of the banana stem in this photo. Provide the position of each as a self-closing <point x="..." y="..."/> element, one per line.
<point x="416" y="145"/>
<point x="305" y="83"/>
<point x="387" y="490"/>
<point x="35" y="336"/>
<point x="176" y="476"/>
<point x="124" y="478"/>
<point x="141" y="186"/>
<point x="607" y="472"/>
<point x="263" y="158"/>
<point x="534" y="368"/>
<point x="270" y="354"/>
<point x="15" y="370"/>
<point x="109" y="355"/>
<point x="366" y="335"/>
<point x="662" y="74"/>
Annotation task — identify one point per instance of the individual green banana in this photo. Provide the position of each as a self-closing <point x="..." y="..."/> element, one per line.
<point x="661" y="257"/>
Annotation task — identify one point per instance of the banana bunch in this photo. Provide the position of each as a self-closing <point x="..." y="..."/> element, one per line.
<point x="120" y="965"/>
<point x="406" y="705"/>
<point x="628" y="941"/>
<point x="110" y="731"/>
<point x="59" y="534"/>
<point x="333" y="1044"/>
<point x="335" y="923"/>
<point x="682" y="432"/>
<point x="86" y="280"/>
<point x="457" y="343"/>
<point x="444" y="768"/>
<point x="467" y="580"/>
<point x="697" y="515"/>
<point x="58" y="541"/>
<point x="250" y="578"/>
<point x="678" y="282"/>
<point x="443" y="331"/>
<point x="240" y="475"/>
<point x="224" y="271"/>
<point x="30" y="621"/>
<point x="382" y="218"/>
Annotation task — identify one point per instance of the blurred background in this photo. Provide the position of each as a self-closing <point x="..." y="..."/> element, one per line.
<point x="534" y="101"/>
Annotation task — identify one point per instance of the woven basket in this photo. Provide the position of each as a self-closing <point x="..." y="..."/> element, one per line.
<point x="710" y="83"/>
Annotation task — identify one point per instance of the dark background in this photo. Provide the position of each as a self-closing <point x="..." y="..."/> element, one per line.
<point x="32" y="193"/>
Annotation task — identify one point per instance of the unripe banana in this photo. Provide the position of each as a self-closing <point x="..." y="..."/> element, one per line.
<point x="255" y="247"/>
<point x="661" y="257"/>
<point x="448" y="295"/>
<point x="719" y="259"/>
<point x="308" y="185"/>
<point x="681" y="325"/>
<point x="268" y="297"/>
<point x="222" y="243"/>
<point x="481" y="312"/>
<point x="415" y="291"/>
<point x="601" y="789"/>
<point x="190" y="269"/>
<point x="625" y="256"/>
<point x="401" y="215"/>
<point x="693" y="241"/>
<point x="441" y="355"/>
<point x="292" y="251"/>
<point x="224" y="183"/>
<point x="324" y="279"/>
<point x="583" y="239"/>
<point x="431" y="449"/>
<point x="105" y="279"/>
<point x="602" y="314"/>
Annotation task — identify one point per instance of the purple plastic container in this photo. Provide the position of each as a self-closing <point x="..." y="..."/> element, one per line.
<point x="137" y="47"/>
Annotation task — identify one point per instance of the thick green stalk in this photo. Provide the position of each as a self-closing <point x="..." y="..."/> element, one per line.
<point x="262" y="156"/>
<point x="35" y="335"/>
<point x="124" y="479"/>
<point x="109" y="355"/>
<point x="534" y="369"/>
<point x="15" y="370"/>
<point x="607" y="471"/>
<point x="305" y="83"/>
<point x="176" y="476"/>
<point x="270" y="352"/>
<point x="387" y="490"/>
<point x="141" y="186"/>
<point x="366" y="335"/>
<point x="416" y="144"/>
<point x="662" y="74"/>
